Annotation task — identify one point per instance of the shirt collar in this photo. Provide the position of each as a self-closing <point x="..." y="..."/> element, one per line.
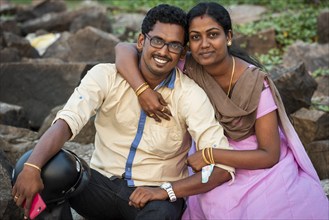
<point x="169" y="82"/>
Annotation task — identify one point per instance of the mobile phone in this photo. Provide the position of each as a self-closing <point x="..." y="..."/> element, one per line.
<point x="37" y="206"/>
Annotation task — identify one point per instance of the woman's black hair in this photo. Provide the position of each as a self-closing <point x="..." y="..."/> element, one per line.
<point x="222" y="17"/>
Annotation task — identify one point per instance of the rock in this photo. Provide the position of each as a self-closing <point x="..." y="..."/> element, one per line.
<point x="259" y="43"/>
<point x="296" y="86"/>
<point x="8" y="209"/>
<point x="84" y="151"/>
<point x="127" y="25"/>
<point x="9" y="55"/>
<point x="240" y="14"/>
<point x="10" y="26"/>
<point x="325" y="185"/>
<point x="314" y="56"/>
<point x="85" y="136"/>
<point x="323" y="89"/>
<point x="323" y="27"/>
<point x="80" y="47"/>
<point x="38" y="87"/>
<point x="40" y="8"/>
<point x="13" y="115"/>
<point x="95" y="19"/>
<point x="16" y="141"/>
<point x="318" y="152"/>
<point x="84" y="43"/>
<point x="56" y="22"/>
<point x="22" y="45"/>
<point x="60" y="49"/>
<point x="321" y="96"/>
<point x="311" y="124"/>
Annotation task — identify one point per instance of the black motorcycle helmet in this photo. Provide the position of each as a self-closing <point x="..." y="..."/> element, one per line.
<point x="63" y="176"/>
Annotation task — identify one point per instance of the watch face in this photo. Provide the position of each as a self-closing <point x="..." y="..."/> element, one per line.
<point x="165" y="185"/>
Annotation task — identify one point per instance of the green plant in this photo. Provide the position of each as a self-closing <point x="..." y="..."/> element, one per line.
<point x="290" y="26"/>
<point x="137" y="4"/>
<point x="321" y="72"/>
<point x="271" y="59"/>
<point x="320" y="107"/>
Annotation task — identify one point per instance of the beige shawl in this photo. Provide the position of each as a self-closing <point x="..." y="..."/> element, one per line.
<point x="237" y="114"/>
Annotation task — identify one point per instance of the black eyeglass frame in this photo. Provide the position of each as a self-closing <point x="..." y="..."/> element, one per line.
<point x="163" y="43"/>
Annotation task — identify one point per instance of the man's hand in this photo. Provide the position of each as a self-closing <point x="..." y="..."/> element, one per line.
<point x="143" y="195"/>
<point x="27" y="184"/>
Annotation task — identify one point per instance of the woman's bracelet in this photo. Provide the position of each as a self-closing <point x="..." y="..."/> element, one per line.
<point x="142" y="89"/>
<point x="139" y="87"/>
<point x="211" y="155"/>
<point x="204" y="156"/>
<point x="32" y="165"/>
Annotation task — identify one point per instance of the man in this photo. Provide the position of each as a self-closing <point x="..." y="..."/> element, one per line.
<point x="138" y="169"/>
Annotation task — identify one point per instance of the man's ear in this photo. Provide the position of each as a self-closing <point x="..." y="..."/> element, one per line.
<point x="140" y="42"/>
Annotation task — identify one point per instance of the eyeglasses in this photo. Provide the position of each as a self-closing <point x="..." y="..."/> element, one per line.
<point x="159" y="43"/>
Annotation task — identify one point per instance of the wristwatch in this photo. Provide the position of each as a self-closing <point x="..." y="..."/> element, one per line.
<point x="167" y="186"/>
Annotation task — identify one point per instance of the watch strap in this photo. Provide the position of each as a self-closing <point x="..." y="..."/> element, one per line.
<point x="168" y="187"/>
<point x="171" y="194"/>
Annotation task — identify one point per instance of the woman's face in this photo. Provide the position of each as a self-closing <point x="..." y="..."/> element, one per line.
<point x="208" y="42"/>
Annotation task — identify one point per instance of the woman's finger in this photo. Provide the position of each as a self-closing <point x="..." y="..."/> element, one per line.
<point x="154" y="116"/>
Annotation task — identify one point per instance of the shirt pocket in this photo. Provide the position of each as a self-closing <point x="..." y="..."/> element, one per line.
<point x="163" y="141"/>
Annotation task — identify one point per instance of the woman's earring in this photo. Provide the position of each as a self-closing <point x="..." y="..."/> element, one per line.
<point x="229" y="43"/>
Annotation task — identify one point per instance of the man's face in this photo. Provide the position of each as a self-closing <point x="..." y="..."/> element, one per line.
<point x="157" y="62"/>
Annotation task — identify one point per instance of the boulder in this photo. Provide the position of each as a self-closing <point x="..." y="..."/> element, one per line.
<point x="259" y="43"/>
<point x="323" y="27"/>
<point x="38" y="87"/>
<point x="314" y="55"/>
<point x="8" y="209"/>
<point x="296" y="86"/>
<point x="13" y="115"/>
<point x="311" y="124"/>
<point x="91" y="45"/>
<point x="85" y="136"/>
<point x="318" y="152"/>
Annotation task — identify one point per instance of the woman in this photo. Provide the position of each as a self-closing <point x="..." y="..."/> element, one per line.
<point x="274" y="176"/>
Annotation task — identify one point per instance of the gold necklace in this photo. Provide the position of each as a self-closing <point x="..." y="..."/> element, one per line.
<point x="232" y="74"/>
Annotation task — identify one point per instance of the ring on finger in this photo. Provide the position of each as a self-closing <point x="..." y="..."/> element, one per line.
<point x="151" y="114"/>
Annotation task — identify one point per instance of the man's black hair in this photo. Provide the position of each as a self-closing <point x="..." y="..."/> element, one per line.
<point x="165" y="13"/>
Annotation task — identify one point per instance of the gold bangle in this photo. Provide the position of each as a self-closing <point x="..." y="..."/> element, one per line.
<point x="211" y="156"/>
<point x="207" y="156"/>
<point x="140" y="91"/>
<point x="34" y="166"/>
<point x="204" y="157"/>
<point x="139" y="87"/>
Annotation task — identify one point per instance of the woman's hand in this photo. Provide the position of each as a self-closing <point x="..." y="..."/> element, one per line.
<point x="154" y="105"/>
<point x="196" y="162"/>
